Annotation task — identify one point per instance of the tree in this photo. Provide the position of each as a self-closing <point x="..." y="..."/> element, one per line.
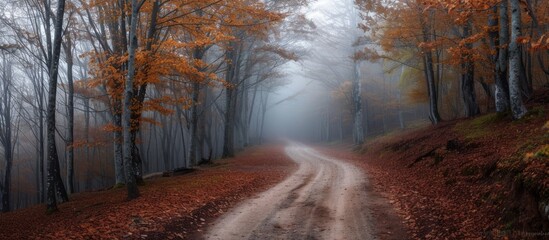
<point x="468" y="75"/>
<point x="500" y="39"/>
<point x="54" y="182"/>
<point x="515" y="61"/>
<point x="68" y="48"/>
<point x="127" y="124"/>
<point x="6" y="131"/>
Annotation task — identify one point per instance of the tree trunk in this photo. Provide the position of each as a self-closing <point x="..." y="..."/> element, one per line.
<point x="197" y="55"/>
<point x="138" y="94"/>
<point x="117" y="139"/>
<point x="54" y="181"/>
<point x="127" y="146"/>
<point x="228" y="138"/>
<point x="41" y="151"/>
<point x="468" y="77"/>
<point x="358" y="131"/>
<point x="468" y="91"/>
<point x="264" y="102"/>
<point x="137" y="161"/>
<point x="501" y="59"/>
<point x="70" y="117"/>
<point x="6" y="134"/>
<point x="517" y="106"/>
<point x="6" y="190"/>
<point x="429" y="75"/>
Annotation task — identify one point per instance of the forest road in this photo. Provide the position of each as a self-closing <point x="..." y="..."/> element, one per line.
<point x="323" y="199"/>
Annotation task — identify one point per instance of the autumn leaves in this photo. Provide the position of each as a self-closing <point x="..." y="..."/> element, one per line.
<point x="475" y="42"/>
<point x="174" y="48"/>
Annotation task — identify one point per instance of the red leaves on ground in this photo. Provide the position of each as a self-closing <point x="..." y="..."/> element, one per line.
<point x="459" y="193"/>
<point x="169" y="208"/>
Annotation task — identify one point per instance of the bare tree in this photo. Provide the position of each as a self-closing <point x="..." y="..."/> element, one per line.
<point x="6" y="139"/>
<point x="54" y="181"/>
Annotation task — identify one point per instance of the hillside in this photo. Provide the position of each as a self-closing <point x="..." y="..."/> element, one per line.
<point x="486" y="177"/>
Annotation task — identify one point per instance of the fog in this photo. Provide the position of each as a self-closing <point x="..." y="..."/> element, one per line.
<point x="316" y="82"/>
<point x="282" y="70"/>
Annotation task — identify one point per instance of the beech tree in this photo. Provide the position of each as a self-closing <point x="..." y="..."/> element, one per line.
<point x="517" y="106"/>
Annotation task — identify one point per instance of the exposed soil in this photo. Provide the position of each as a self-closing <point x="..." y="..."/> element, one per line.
<point x="169" y="207"/>
<point x="326" y="198"/>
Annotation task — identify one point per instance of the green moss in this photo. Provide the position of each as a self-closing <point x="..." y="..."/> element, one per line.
<point x="543" y="152"/>
<point x="533" y="113"/>
<point x="488" y="119"/>
<point x="480" y="126"/>
<point x="118" y="185"/>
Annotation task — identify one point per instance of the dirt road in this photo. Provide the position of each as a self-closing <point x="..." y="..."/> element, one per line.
<point x="323" y="199"/>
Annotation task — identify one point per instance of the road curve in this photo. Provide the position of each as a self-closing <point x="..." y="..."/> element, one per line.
<point x="323" y="199"/>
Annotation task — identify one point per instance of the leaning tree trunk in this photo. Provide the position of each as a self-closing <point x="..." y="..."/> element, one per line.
<point x="517" y="106"/>
<point x="133" y="191"/>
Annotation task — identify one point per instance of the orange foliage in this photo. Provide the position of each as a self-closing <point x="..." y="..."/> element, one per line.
<point x="165" y="61"/>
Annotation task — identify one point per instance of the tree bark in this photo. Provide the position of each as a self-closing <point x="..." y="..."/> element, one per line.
<point x="117" y="139"/>
<point x="468" y="77"/>
<point x="358" y="130"/>
<point x="54" y="181"/>
<point x="501" y="60"/>
<point x="132" y="190"/>
<point x="517" y="106"/>
<point x="430" y="75"/>
<point x="228" y="138"/>
<point x="138" y="96"/>
<point x="197" y="55"/>
<point x="70" y="116"/>
<point x="6" y="133"/>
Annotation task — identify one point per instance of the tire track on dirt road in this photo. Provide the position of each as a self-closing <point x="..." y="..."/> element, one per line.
<point x="323" y="199"/>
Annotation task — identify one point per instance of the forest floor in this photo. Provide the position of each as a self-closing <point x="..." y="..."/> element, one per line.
<point x="176" y="207"/>
<point x="480" y="178"/>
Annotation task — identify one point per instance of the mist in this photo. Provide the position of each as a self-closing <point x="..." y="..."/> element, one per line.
<point x="316" y="103"/>
<point x="94" y="100"/>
